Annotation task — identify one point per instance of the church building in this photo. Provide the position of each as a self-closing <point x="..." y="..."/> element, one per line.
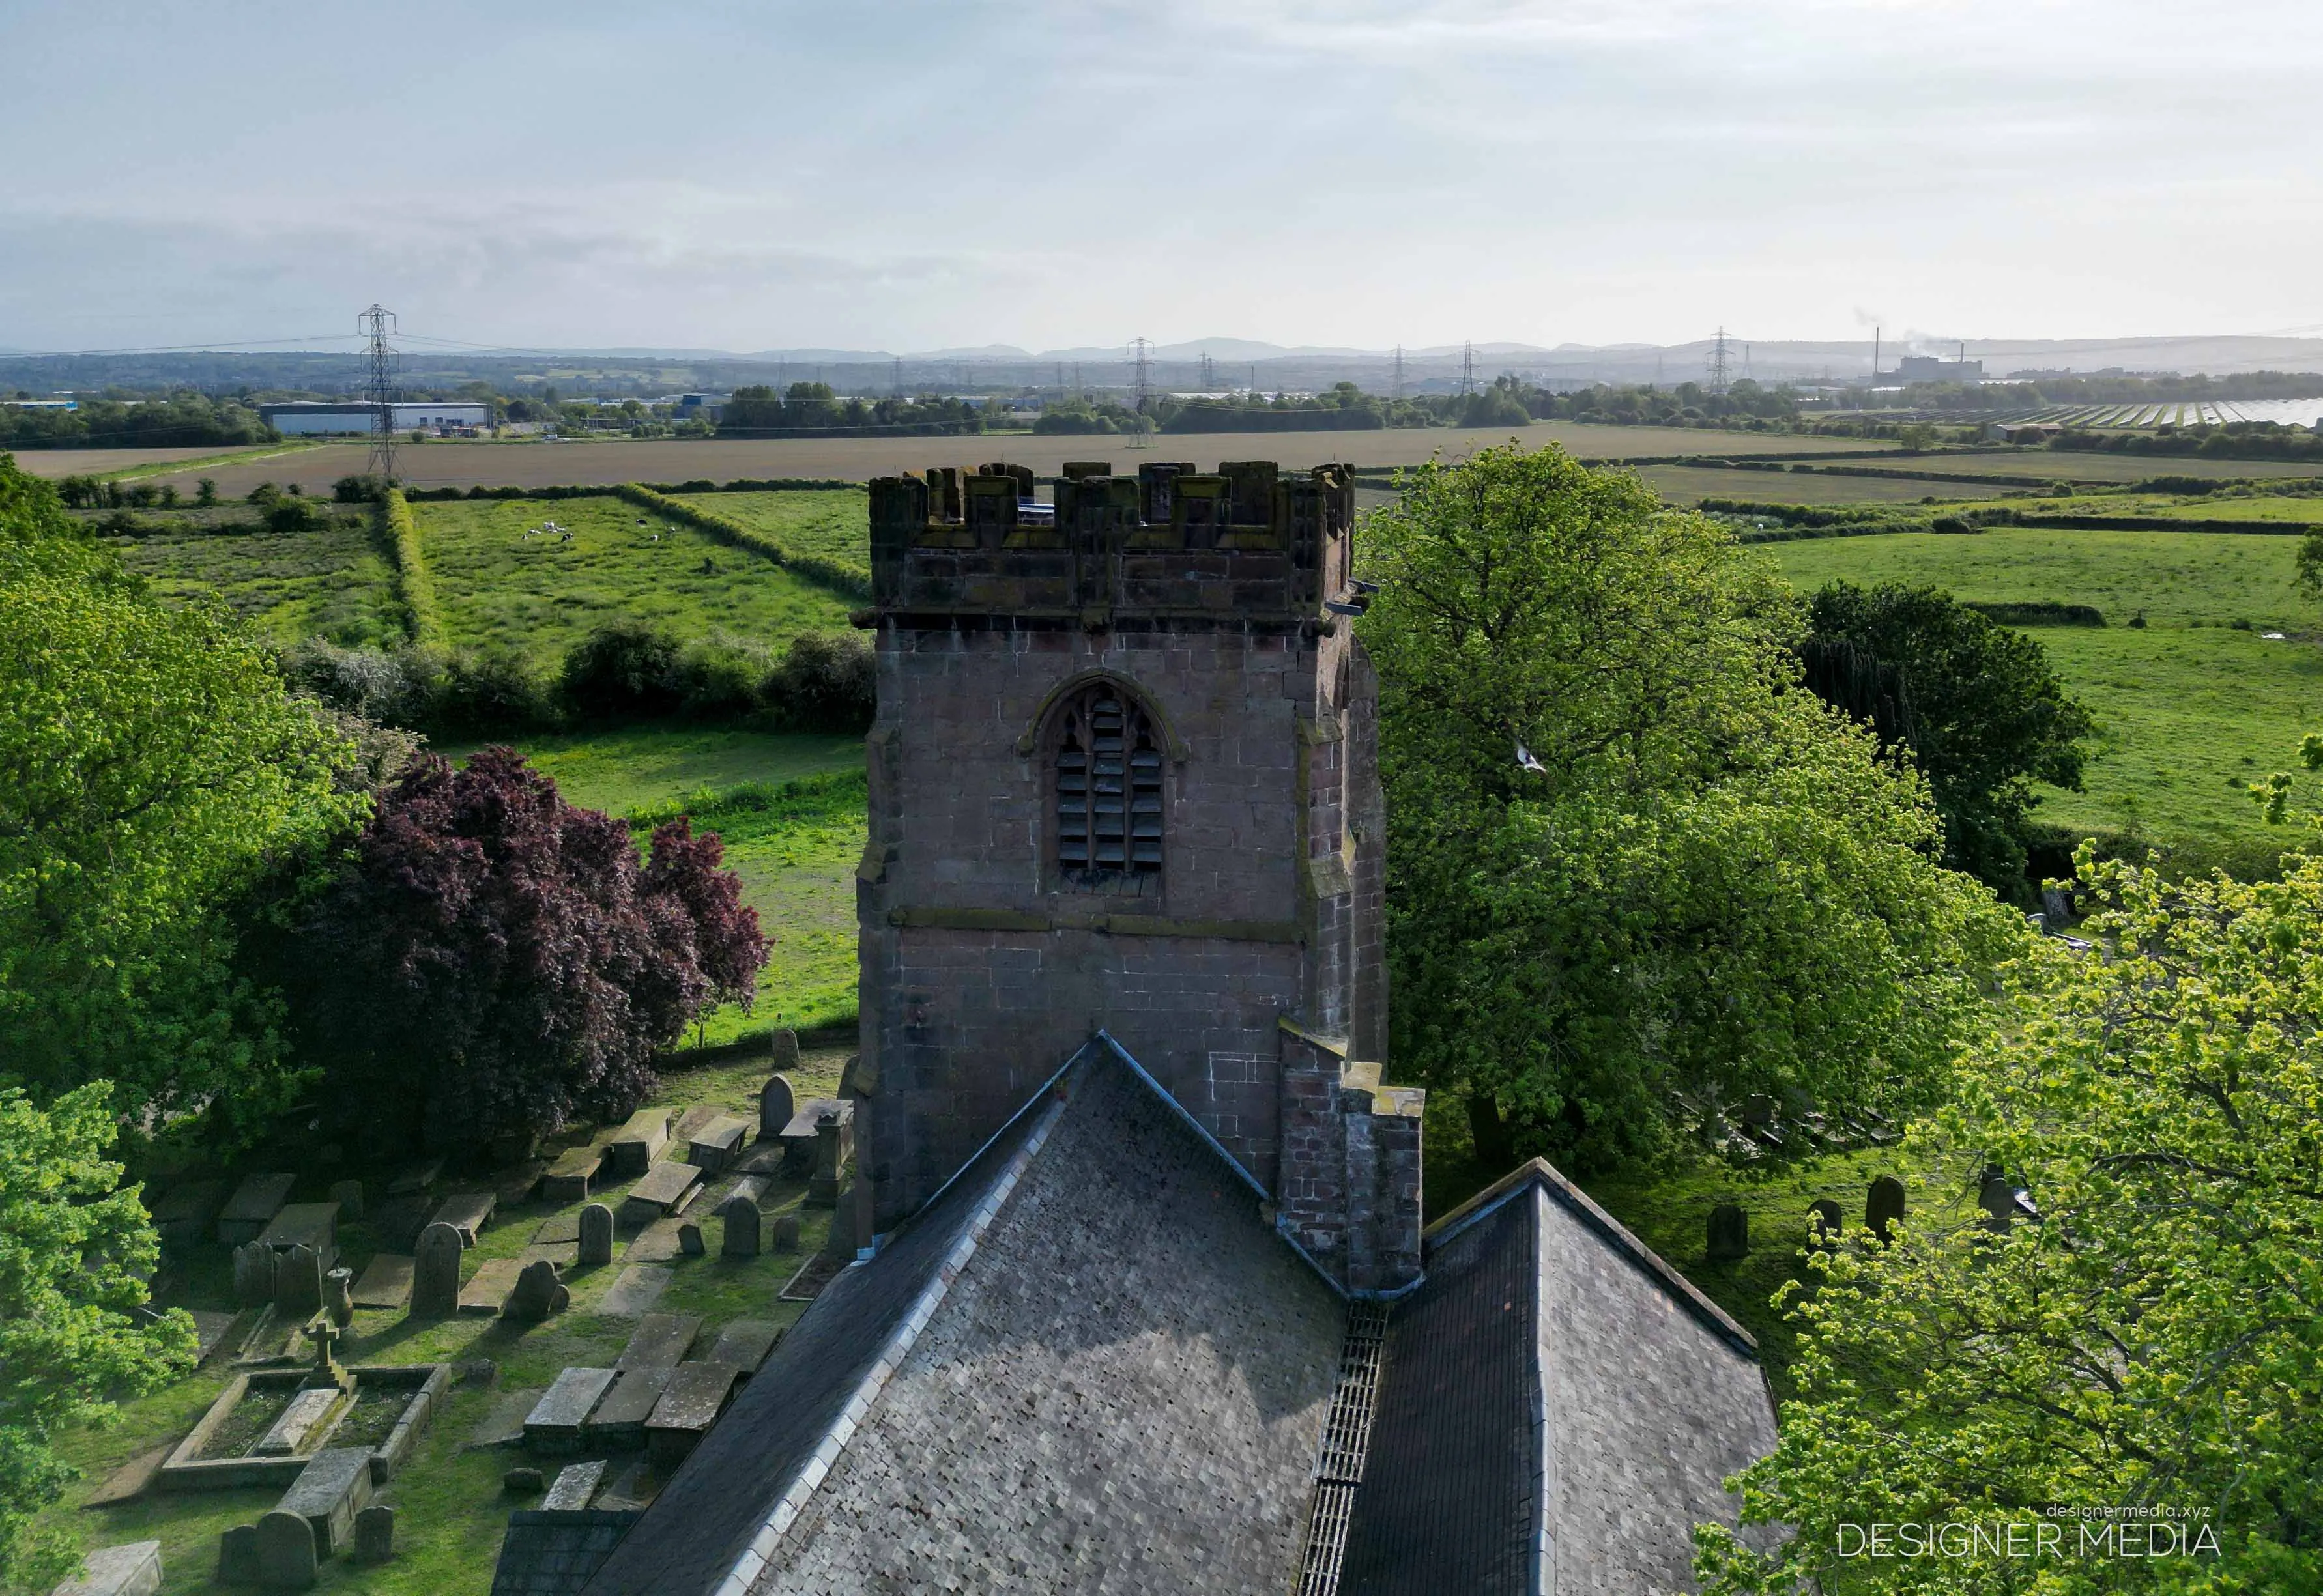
<point x="1143" y="1298"/>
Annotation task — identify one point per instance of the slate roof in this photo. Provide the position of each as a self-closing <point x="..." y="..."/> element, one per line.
<point x="550" y="1553"/>
<point x="1558" y="1411"/>
<point x="1090" y="1364"/>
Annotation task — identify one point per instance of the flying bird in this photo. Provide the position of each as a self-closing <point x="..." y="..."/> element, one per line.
<point x="1525" y="761"/>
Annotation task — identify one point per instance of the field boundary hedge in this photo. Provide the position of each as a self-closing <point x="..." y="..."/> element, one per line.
<point x="609" y="489"/>
<point x="2035" y="612"/>
<point x="2077" y="523"/>
<point x="842" y="576"/>
<point x="414" y="589"/>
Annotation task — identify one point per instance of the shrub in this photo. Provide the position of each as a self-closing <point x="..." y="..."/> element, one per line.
<point x="367" y="682"/>
<point x="621" y="671"/>
<point x="490" y="692"/>
<point x="296" y="515"/>
<point x="718" y="678"/>
<point x="363" y="488"/>
<point x="827" y="681"/>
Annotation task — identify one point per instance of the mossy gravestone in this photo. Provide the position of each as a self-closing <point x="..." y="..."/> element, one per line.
<point x="1884" y="1206"/>
<point x="596" y="1235"/>
<point x="1729" y="1233"/>
<point x="286" y="1552"/>
<point x="436" y="1273"/>
<point x="376" y="1533"/>
<point x="1824" y="1219"/>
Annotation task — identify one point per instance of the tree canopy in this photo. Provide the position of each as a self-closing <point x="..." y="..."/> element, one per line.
<point x="1627" y="857"/>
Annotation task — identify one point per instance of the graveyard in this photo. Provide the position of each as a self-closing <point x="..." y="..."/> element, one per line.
<point x="396" y="1361"/>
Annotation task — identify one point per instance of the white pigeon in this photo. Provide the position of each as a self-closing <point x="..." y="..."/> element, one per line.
<point x="1525" y="761"/>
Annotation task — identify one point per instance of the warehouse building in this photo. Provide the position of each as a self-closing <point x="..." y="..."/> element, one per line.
<point x="309" y="419"/>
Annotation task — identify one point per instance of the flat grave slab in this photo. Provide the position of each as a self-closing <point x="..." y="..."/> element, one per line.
<point x="558" y="1227"/>
<point x="184" y="1214"/>
<point x="665" y="1190"/>
<point x="516" y="1183"/>
<point x="745" y="1343"/>
<point x="692" y="1120"/>
<point x="568" y="1180"/>
<point x="762" y="1156"/>
<point x="632" y="1149"/>
<point x="696" y="1396"/>
<point x="555" y="1421"/>
<point x="386" y="1281"/>
<point x="487" y="1290"/>
<point x="715" y="1145"/>
<point x="574" y="1485"/>
<point x="327" y="1494"/>
<point x="131" y="1569"/>
<point x="312" y="1225"/>
<point x="657" y="1244"/>
<point x="414" y="1178"/>
<point x="660" y="1340"/>
<point x="811" y="1111"/>
<point x="128" y="1482"/>
<point x="252" y="1207"/>
<point x="466" y="1211"/>
<point x="396" y="1224"/>
<point x="619" y="1424"/>
<point x="562" y="1254"/>
<point x="504" y="1425"/>
<point x="211" y="1326"/>
<point x="300" y="1423"/>
<point x="636" y="1290"/>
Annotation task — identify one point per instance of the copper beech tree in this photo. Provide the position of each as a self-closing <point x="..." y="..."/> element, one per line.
<point x="496" y="961"/>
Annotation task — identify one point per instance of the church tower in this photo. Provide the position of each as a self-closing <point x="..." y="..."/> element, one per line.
<point x="1123" y="778"/>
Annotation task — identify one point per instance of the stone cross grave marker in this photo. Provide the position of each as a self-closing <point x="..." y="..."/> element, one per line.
<point x="596" y="1236"/>
<point x="1883" y="1206"/>
<point x="436" y="1273"/>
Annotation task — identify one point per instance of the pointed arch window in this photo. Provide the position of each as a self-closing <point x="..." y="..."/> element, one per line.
<point x="1106" y="792"/>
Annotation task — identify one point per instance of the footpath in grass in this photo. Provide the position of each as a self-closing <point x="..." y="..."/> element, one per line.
<point x="500" y="581"/>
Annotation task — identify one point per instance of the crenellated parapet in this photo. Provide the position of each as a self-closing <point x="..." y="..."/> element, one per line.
<point x="1248" y="543"/>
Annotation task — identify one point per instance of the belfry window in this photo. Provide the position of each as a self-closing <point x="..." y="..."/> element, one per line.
<point x="1106" y="775"/>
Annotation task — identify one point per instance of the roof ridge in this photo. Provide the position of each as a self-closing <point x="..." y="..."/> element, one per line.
<point x="1539" y="1172"/>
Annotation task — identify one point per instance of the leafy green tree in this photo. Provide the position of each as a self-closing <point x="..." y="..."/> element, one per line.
<point x="2153" y="1340"/>
<point x="1977" y="703"/>
<point x="1625" y="859"/>
<point x="2310" y="578"/>
<point x="151" y="764"/>
<point x="74" y="1244"/>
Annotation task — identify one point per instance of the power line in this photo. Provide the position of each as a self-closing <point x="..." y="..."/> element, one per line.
<point x="380" y="392"/>
<point x="176" y="348"/>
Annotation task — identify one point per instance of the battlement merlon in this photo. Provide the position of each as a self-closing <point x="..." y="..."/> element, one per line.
<point x="1248" y="544"/>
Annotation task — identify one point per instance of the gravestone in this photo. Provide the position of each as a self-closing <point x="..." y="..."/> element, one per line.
<point x="783" y="1234"/>
<point x="2056" y="905"/>
<point x="689" y="1239"/>
<point x="632" y="1150"/>
<point x="312" y="1225"/>
<point x="335" y="1485"/>
<point x="298" y="1279"/>
<point x="286" y="1552"/>
<point x="415" y="1177"/>
<point x="237" y="1562"/>
<point x="777" y="1101"/>
<point x="386" y="1281"/>
<point x="1883" y="1206"/>
<point x="1824" y="1218"/>
<point x="635" y="1291"/>
<point x="252" y="1207"/>
<point x="1997" y="1197"/>
<point x="516" y="1183"/>
<point x="329" y="1372"/>
<point x="1729" y="1233"/>
<point x="397" y="1222"/>
<point x="596" y="1236"/>
<point x="660" y="1340"/>
<point x="657" y="1244"/>
<point x="538" y="1294"/>
<point x="739" y="1230"/>
<point x="308" y="1412"/>
<point x="618" y="1423"/>
<point x="339" y="1296"/>
<point x="745" y="1343"/>
<point x="562" y="1254"/>
<point x="489" y="1288"/>
<point x="558" y="1227"/>
<point x="554" y="1424"/>
<point x="665" y="1190"/>
<point x="569" y="1178"/>
<point x="574" y="1485"/>
<point x="131" y="1569"/>
<point x="783" y="1052"/>
<point x="696" y="1396"/>
<point x="521" y="1481"/>
<point x="436" y="1273"/>
<point x="822" y="1186"/>
<point x="376" y="1533"/>
<point x="467" y="1212"/>
<point x="349" y="1196"/>
<point x="253" y="1274"/>
<point x="799" y="1136"/>
<point x="629" y="1491"/>
<point x="692" y="1120"/>
<point x="716" y="1144"/>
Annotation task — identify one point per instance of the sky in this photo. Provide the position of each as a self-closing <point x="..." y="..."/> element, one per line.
<point x="910" y="176"/>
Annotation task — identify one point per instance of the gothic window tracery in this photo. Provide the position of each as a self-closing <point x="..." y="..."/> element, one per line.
<point x="1105" y="790"/>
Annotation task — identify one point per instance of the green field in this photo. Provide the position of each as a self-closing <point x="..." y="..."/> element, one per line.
<point x="2073" y="466"/>
<point x="1686" y="483"/>
<point x="835" y="524"/>
<point x="539" y="595"/>
<point x="291" y="585"/>
<point x="2189" y="708"/>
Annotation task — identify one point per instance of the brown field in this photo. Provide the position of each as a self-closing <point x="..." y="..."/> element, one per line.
<point x="69" y="462"/>
<point x="720" y="460"/>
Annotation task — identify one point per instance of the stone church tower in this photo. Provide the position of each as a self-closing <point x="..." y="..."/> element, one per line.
<point x="1124" y="778"/>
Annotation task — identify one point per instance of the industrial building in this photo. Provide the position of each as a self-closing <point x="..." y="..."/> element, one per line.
<point x="309" y="419"/>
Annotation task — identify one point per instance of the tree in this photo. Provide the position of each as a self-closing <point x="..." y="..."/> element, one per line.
<point x="1625" y="859"/>
<point x="2310" y="578"/>
<point x="494" y="961"/>
<point x="622" y="670"/>
<point x="2153" y="1339"/>
<point x="151" y="764"/>
<point x="1977" y="703"/>
<point x="74" y="1245"/>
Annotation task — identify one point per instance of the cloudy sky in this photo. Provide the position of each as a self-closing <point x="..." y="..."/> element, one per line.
<point x="884" y="175"/>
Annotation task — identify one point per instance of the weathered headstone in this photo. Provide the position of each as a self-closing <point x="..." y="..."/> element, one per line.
<point x="696" y="1396"/>
<point x="1998" y="1196"/>
<point x="739" y="1230"/>
<point x="237" y="1563"/>
<point x="339" y="1296"/>
<point x="618" y="1423"/>
<point x="252" y="1207"/>
<point x="666" y="1189"/>
<point x="596" y="1236"/>
<point x="574" y="1485"/>
<point x="570" y="1177"/>
<point x="131" y="1569"/>
<point x="2056" y="905"/>
<point x="822" y="1186"/>
<point x="1729" y="1233"/>
<point x="436" y="1273"/>
<point x="290" y="1434"/>
<point x="538" y="1294"/>
<point x="632" y="1149"/>
<point x="783" y="1053"/>
<point x="745" y="1343"/>
<point x="1824" y="1220"/>
<point x="329" y="1372"/>
<point x="298" y="1279"/>
<point x="386" y="1281"/>
<point x="660" y="1340"/>
<point x="1883" y="1206"/>
<point x="335" y="1485"/>
<point x="783" y="1234"/>
<point x="521" y="1481"/>
<point x="777" y="1101"/>
<point x="286" y="1552"/>
<point x="349" y="1196"/>
<point x="691" y="1120"/>
<point x="254" y="1268"/>
<point x="467" y="1212"/>
<point x="689" y="1239"/>
<point x="376" y="1533"/>
<point x="554" y="1424"/>
<point x="489" y="1288"/>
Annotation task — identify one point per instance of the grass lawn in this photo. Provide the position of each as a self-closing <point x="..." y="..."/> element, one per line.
<point x="2188" y="707"/>
<point x="541" y="595"/>
<point x="451" y="1511"/>
<point x="291" y="586"/>
<point x="833" y="523"/>
<point x="632" y="767"/>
